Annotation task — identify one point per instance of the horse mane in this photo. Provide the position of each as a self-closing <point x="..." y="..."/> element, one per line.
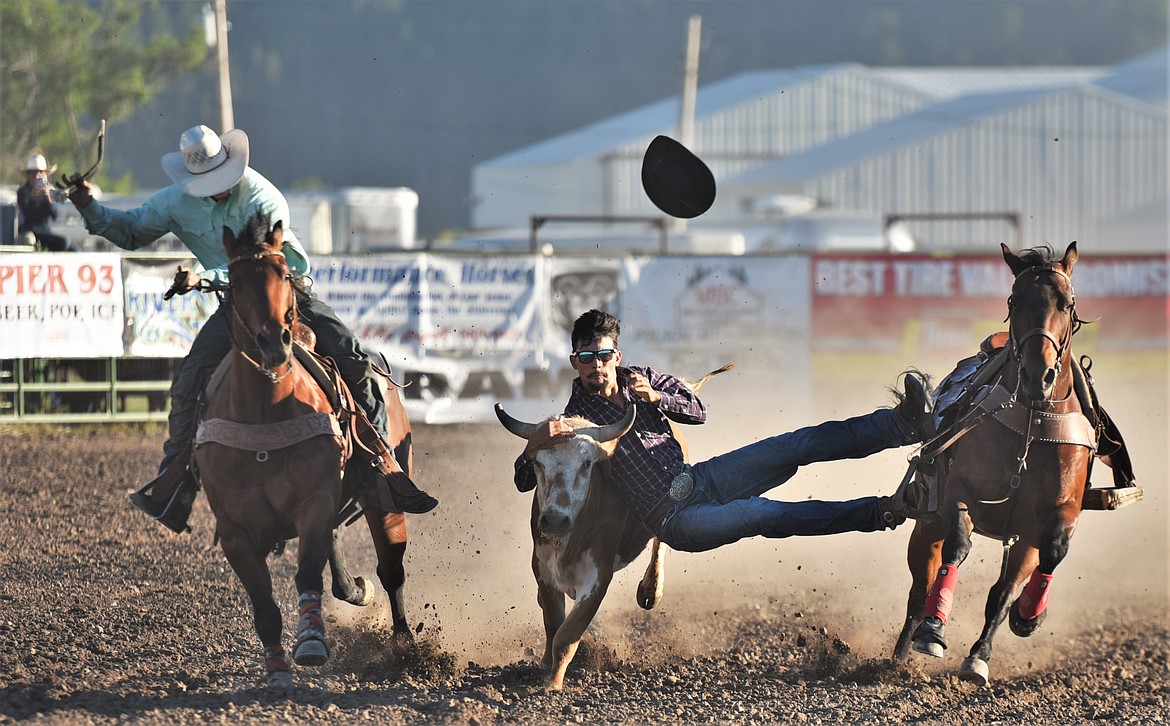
<point x="256" y="230"/>
<point x="1041" y="255"/>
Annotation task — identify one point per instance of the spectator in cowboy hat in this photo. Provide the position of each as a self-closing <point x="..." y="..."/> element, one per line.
<point x="215" y="188"/>
<point x="37" y="201"/>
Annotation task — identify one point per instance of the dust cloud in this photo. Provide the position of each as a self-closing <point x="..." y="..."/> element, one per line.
<point x="471" y="586"/>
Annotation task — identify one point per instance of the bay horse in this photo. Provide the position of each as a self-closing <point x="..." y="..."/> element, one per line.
<point x="1015" y="469"/>
<point x="270" y="454"/>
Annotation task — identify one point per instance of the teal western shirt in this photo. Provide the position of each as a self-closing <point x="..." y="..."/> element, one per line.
<point x="198" y="222"/>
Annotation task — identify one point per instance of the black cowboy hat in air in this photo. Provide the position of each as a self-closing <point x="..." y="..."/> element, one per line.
<point x="677" y="181"/>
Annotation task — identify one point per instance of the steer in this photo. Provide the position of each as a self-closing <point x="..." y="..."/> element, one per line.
<point x="582" y="533"/>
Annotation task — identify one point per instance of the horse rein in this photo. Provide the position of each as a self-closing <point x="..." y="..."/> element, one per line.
<point x="291" y="316"/>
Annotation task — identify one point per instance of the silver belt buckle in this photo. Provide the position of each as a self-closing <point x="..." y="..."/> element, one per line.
<point x="681" y="486"/>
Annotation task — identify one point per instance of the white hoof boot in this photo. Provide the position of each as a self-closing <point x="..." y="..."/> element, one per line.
<point x="368" y="589"/>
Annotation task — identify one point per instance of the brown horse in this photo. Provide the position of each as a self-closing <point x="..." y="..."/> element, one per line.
<point x="270" y="454"/>
<point x="1014" y="468"/>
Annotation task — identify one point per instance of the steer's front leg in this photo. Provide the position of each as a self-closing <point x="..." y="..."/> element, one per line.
<point x="552" y="608"/>
<point x="568" y="637"/>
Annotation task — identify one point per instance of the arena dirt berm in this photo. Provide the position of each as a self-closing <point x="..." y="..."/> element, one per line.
<point x="108" y="618"/>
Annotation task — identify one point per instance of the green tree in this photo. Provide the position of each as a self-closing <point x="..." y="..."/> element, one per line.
<point x="67" y="64"/>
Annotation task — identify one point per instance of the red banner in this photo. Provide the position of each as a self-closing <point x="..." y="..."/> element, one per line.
<point x="929" y="306"/>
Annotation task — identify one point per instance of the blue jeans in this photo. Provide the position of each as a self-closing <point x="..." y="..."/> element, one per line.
<point x="726" y="504"/>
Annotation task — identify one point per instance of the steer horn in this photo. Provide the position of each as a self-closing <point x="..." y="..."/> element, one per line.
<point x="604" y="433"/>
<point x="514" y="425"/>
<point x="617" y="430"/>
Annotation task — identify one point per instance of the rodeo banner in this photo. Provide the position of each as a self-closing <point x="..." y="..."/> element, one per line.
<point x="60" y="305"/>
<point x="465" y="331"/>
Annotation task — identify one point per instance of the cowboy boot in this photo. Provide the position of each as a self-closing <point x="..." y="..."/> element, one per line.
<point x="403" y="493"/>
<point x="909" y="501"/>
<point x="913" y="412"/>
<point x="170" y="496"/>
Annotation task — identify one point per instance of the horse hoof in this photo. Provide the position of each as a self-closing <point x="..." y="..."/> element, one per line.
<point x="933" y="648"/>
<point x="311" y="653"/>
<point x="280" y="679"/>
<point x="368" y="591"/>
<point x="648" y="597"/>
<point x="1024" y="628"/>
<point x="974" y="670"/>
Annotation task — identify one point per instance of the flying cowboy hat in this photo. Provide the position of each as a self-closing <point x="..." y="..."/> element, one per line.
<point x="677" y="181"/>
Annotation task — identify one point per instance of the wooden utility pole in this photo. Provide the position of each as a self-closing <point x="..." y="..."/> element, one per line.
<point x="686" y="121"/>
<point x="227" y="120"/>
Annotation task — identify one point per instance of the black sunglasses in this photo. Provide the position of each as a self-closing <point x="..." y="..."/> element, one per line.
<point x="585" y="357"/>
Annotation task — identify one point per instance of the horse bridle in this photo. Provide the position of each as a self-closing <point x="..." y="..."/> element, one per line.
<point x="290" y="316"/>
<point x="1073" y="326"/>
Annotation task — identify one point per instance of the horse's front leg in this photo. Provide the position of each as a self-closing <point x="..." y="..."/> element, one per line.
<point x="315" y="535"/>
<point x="355" y="590"/>
<point x="251" y="567"/>
<point x="652" y="584"/>
<point x="923" y="556"/>
<point x="1021" y="559"/>
<point x="388" y="532"/>
<point x="930" y="635"/>
<point x="1031" y="607"/>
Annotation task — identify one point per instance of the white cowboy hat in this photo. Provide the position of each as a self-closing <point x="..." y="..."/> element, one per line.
<point x="206" y="164"/>
<point x="39" y="163"/>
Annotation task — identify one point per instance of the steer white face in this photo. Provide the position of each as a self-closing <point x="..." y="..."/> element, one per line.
<point x="563" y="474"/>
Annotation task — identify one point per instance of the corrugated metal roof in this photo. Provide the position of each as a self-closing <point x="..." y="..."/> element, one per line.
<point x="886" y="137"/>
<point x="946" y="83"/>
<point x="1146" y="78"/>
<point x="662" y="116"/>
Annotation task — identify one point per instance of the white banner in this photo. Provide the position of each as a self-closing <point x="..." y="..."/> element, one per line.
<point x="464" y="328"/>
<point x="66" y="305"/>
<point x="688" y="315"/>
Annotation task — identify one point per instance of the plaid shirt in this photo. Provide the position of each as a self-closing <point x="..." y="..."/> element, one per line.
<point x="649" y="456"/>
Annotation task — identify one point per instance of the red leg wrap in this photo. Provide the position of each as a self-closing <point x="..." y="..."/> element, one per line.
<point x="275" y="660"/>
<point x="1034" y="599"/>
<point x="942" y="595"/>
<point x="311" y="623"/>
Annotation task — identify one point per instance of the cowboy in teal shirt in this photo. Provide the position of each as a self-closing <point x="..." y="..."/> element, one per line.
<point x="215" y="188"/>
<point x="198" y="222"/>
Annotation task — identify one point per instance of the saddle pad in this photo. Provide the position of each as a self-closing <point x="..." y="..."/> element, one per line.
<point x="266" y="437"/>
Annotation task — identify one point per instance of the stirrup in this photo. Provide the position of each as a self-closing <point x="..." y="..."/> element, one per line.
<point x="1110" y="498"/>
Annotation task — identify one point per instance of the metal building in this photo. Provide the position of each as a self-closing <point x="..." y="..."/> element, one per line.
<point x="880" y="141"/>
<point x="1060" y="164"/>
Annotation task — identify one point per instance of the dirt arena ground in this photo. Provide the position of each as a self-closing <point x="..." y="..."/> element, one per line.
<point x="105" y="617"/>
